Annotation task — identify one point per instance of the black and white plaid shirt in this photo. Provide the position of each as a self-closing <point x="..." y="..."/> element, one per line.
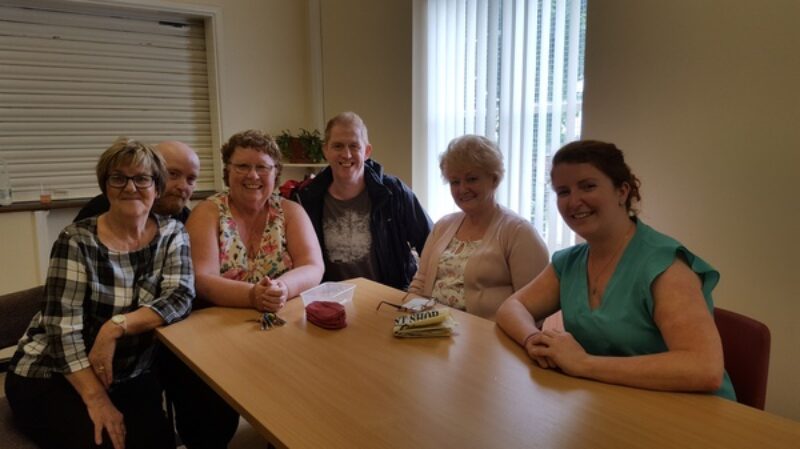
<point x="87" y="284"/>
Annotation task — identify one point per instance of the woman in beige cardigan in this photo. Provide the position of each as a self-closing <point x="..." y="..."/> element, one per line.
<point x="474" y="259"/>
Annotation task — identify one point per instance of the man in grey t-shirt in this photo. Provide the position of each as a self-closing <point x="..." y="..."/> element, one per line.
<point x="348" y="241"/>
<point x="368" y="222"/>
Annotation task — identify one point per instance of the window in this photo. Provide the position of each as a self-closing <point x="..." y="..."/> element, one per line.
<point x="511" y="70"/>
<point x="74" y="77"/>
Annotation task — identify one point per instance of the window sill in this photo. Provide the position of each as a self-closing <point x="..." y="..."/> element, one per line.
<point x="32" y="206"/>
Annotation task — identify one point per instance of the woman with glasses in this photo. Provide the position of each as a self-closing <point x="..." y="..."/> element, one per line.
<point x="474" y="259"/>
<point x="250" y="248"/>
<point x="82" y="374"/>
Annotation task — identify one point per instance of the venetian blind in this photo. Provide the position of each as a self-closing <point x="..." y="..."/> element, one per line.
<point x="71" y="82"/>
<point x="511" y="70"/>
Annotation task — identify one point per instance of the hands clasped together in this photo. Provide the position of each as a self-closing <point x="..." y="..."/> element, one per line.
<point x="269" y="295"/>
<point x="556" y="349"/>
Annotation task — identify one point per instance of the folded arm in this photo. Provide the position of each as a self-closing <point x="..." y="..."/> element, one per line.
<point x="693" y="361"/>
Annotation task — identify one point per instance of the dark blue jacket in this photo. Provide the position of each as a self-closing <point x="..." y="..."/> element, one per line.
<point x="398" y="223"/>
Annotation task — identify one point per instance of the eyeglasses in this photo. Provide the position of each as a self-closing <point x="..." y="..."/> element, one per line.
<point x="139" y="181"/>
<point x="418" y="304"/>
<point x="244" y="169"/>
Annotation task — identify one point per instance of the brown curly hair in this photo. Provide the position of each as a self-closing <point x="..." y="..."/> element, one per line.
<point x="252" y="139"/>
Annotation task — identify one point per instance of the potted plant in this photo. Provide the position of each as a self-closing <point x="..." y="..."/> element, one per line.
<point x="312" y="143"/>
<point x="304" y="148"/>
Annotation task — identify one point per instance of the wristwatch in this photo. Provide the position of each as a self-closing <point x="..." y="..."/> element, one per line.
<point x="120" y="321"/>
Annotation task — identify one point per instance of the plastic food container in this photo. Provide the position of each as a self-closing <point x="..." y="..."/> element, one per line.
<point x="329" y="291"/>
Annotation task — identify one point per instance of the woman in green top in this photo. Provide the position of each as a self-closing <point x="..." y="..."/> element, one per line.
<point x="637" y="304"/>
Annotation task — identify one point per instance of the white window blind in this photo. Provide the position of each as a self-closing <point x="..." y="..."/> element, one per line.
<point x="72" y="81"/>
<point x="511" y="70"/>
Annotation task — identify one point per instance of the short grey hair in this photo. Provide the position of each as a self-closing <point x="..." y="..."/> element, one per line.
<point x="347" y="119"/>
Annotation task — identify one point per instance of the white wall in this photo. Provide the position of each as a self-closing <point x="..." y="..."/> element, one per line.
<point x="702" y="96"/>
<point x="366" y="47"/>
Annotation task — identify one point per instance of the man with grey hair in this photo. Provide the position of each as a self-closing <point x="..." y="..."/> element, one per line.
<point x="368" y="223"/>
<point x="183" y="166"/>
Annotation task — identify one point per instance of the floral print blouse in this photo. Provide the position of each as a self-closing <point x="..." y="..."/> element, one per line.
<point x="272" y="258"/>
<point x="449" y="285"/>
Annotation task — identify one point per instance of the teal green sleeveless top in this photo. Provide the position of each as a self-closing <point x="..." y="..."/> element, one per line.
<point x="623" y="325"/>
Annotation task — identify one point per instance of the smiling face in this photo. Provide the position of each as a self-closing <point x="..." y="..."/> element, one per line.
<point x="587" y="199"/>
<point x="346" y="151"/>
<point x="472" y="189"/>
<point x="129" y="201"/>
<point x="184" y="168"/>
<point x="251" y="176"/>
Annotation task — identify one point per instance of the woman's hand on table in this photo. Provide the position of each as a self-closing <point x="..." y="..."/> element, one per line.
<point x="269" y="295"/>
<point x="557" y="349"/>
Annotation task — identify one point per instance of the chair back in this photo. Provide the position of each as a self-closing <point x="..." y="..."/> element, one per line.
<point x="746" y="344"/>
<point x="16" y="311"/>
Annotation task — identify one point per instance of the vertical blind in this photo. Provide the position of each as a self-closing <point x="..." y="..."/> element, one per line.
<point x="511" y="70"/>
<point x="71" y="82"/>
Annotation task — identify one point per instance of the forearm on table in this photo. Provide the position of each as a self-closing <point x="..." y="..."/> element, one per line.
<point x="515" y="320"/>
<point x="670" y="371"/>
<point x="220" y="291"/>
<point x="301" y="278"/>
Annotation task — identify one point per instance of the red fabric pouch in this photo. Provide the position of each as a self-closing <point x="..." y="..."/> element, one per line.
<point x="326" y="314"/>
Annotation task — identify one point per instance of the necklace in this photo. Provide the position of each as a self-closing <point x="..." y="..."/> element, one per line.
<point x="594" y="283"/>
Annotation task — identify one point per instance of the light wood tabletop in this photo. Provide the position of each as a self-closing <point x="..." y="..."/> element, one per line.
<point x="303" y="386"/>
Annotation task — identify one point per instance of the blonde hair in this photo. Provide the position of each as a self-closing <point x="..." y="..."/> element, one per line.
<point x="473" y="151"/>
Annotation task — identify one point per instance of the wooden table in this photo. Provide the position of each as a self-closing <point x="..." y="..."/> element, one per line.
<point x="305" y="387"/>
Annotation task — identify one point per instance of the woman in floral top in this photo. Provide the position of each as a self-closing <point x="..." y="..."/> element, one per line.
<point x="250" y="247"/>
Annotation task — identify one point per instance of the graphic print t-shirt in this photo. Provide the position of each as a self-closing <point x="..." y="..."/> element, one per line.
<point x="348" y="241"/>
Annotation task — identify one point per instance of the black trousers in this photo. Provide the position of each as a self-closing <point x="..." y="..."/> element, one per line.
<point x="52" y="414"/>
<point x="203" y="419"/>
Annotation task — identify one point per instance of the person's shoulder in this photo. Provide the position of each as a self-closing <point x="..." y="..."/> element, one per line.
<point x="290" y="207"/>
<point x="510" y="218"/>
<point x="317" y="186"/>
<point x="83" y="230"/>
<point x="450" y="219"/>
<point x="654" y="241"/>
<point x="393" y="182"/>
<point x="658" y="251"/>
<point x="168" y="225"/>
<point x="205" y="210"/>
<point x="570" y="254"/>
<point x="183" y="215"/>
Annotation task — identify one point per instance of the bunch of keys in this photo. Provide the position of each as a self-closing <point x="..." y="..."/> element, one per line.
<point x="270" y="319"/>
